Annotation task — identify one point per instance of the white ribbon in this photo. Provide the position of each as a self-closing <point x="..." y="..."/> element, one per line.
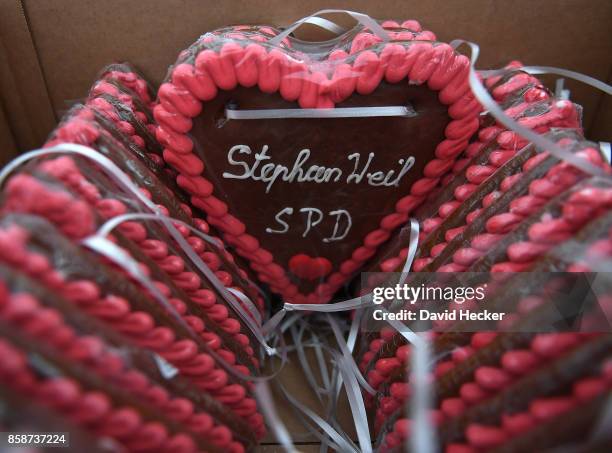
<point x="105" y="247"/>
<point x="354" y="330"/>
<point x="352" y="379"/>
<point x="606" y="150"/>
<point x="413" y="245"/>
<point x="265" y="400"/>
<point x="560" y="91"/>
<point x="348" y="356"/>
<point x="542" y="142"/>
<point x="341" y="112"/>
<point x="356" y="403"/>
<point x="325" y="429"/>
<point x="363" y="19"/>
<point x="111" y="224"/>
<point x="325" y="24"/>
<point x="297" y="335"/>
<point x="570" y="74"/>
<point x="422" y="439"/>
<point x="356" y="302"/>
<point x="339" y="442"/>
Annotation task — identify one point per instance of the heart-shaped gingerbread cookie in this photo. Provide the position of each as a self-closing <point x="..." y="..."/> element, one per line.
<point x="306" y="195"/>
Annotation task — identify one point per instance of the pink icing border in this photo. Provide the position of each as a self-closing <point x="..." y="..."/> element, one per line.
<point x="180" y="100"/>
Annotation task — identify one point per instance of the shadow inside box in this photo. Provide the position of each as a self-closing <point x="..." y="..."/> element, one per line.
<point x="294" y="381"/>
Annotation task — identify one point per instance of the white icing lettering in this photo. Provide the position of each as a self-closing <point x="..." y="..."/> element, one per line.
<point x="339" y="213"/>
<point x="281" y="221"/>
<point x="309" y="222"/>
<point x="269" y="173"/>
<point x="407" y="165"/>
<point x="358" y="176"/>
<point x="242" y="149"/>
<point x="376" y="178"/>
<point x="314" y="217"/>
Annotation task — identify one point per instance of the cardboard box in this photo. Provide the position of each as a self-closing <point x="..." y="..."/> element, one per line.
<point x="51" y="51"/>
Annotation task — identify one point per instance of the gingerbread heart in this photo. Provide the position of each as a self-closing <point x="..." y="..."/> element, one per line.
<point x="332" y="186"/>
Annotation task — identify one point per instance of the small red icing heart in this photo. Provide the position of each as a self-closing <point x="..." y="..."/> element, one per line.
<point x="308" y="268"/>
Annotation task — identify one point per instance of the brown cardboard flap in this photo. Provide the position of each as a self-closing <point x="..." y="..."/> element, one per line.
<point x="601" y="130"/>
<point x="22" y="86"/>
<point x="73" y="39"/>
<point x="8" y="149"/>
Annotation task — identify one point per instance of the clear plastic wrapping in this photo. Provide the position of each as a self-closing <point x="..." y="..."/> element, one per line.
<point x="478" y="374"/>
<point x="188" y="331"/>
<point x="519" y="187"/>
<point x="482" y="230"/>
<point x="527" y="394"/>
<point x="85" y="125"/>
<point x="121" y="96"/>
<point x="263" y="129"/>
<point x="92" y="374"/>
<point x="130" y="78"/>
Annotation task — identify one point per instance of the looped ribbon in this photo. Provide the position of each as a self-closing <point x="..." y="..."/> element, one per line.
<point x="483" y="96"/>
<point x="352" y="378"/>
<point x="346" y="371"/>
<point x="326" y="428"/>
<point x="350" y="304"/>
<point x="101" y="244"/>
<point x="325" y="24"/>
<point x="335" y="438"/>
<point x="363" y="19"/>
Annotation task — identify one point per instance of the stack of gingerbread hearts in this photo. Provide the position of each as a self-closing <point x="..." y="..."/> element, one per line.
<point x="521" y="215"/>
<point x="167" y="366"/>
<point x="82" y="366"/>
<point x="139" y="247"/>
